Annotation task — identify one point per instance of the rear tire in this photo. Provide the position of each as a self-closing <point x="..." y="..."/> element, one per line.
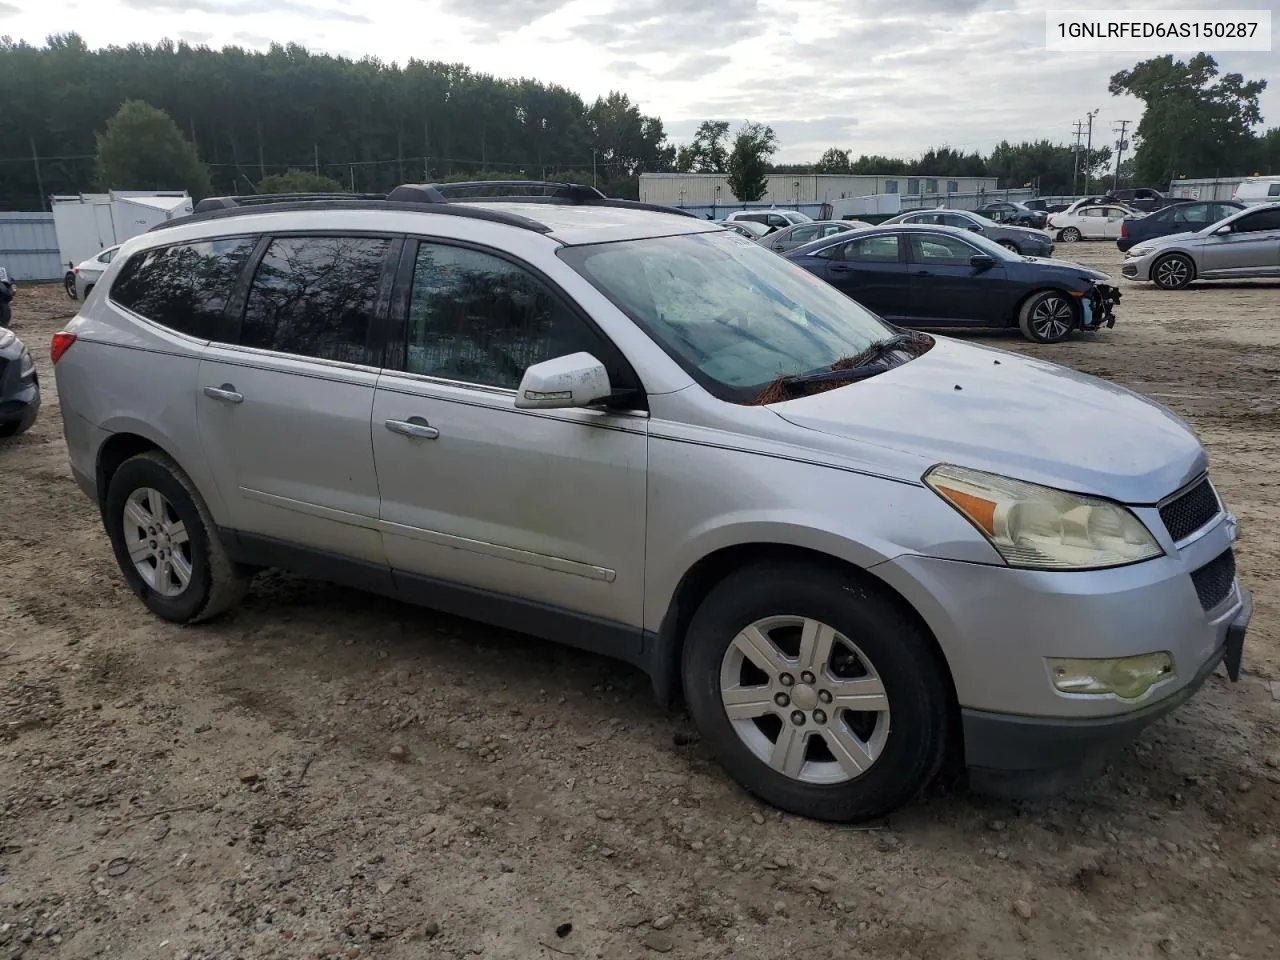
<point x="813" y="755"/>
<point x="1048" y="317"/>
<point x="1173" y="272"/>
<point x="1009" y="245"/>
<point x="69" y="284"/>
<point x="1069" y="235"/>
<point x="199" y="581"/>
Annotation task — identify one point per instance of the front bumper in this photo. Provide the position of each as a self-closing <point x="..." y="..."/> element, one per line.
<point x="1027" y="757"/>
<point x="997" y="626"/>
<point x="1137" y="268"/>
<point x="1100" y="306"/>
<point x="19" y="402"/>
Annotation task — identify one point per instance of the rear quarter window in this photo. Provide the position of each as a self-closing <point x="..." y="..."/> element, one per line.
<point x="184" y="287"/>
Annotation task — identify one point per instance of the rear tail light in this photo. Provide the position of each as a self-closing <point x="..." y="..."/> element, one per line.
<point x="61" y="341"/>
<point x="75" y="269"/>
<point x="1124" y="229"/>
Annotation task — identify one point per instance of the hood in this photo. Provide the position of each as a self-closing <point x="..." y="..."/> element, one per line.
<point x="1076" y="268"/>
<point x="1013" y="415"/>
<point x="1168" y="238"/>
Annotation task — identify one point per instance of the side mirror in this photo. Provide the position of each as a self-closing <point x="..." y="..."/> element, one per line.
<point x="575" y="380"/>
<point x="976" y="227"/>
<point x="1223" y="231"/>
<point x="981" y="261"/>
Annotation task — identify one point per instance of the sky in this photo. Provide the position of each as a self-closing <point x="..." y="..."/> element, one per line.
<point x="889" y="77"/>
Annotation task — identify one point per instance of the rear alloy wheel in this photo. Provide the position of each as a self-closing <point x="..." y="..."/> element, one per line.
<point x="1047" y="317"/>
<point x="165" y="541"/>
<point x="816" y="692"/>
<point x="1070" y="235"/>
<point x="1173" y="272"/>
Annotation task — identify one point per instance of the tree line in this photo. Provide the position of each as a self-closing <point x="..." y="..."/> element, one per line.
<point x="173" y="116"/>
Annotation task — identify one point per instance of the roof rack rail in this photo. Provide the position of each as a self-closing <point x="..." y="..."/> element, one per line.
<point x="441" y="197"/>
<point x="256" y="199"/>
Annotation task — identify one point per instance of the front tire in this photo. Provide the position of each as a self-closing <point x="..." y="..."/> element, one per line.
<point x="1047" y="317"/>
<point x="1173" y="272"/>
<point x="792" y="673"/>
<point x="1069" y="235"/>
<point x="165" y="541"/>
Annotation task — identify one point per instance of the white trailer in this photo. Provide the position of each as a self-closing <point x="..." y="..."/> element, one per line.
<point x="87" y="223"/>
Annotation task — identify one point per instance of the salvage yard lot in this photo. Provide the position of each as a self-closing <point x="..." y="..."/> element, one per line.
<point x="325" y="773"/>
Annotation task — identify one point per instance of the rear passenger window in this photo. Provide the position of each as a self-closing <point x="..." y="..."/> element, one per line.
<point x="184" y="287"/>
<point x="315" y="296"/>
<point x="476" y="318"/>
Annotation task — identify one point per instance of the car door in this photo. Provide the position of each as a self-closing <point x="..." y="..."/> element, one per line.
<point x="1247" y="246"/>
<point x="790" y="239"/>
<point x="873" y="271"/>
<point x="1091" y="222"/>
<point x="286" y="392"/>
<point x="1113" y="217"/>
<point x="947" y="289"/>
<point x="545" y="506"/>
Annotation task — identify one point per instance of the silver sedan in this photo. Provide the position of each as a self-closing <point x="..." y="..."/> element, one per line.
<point x="1243" y="245"/>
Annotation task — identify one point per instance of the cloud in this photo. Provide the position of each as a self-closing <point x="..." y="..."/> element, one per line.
<point x="673" y="27"/>
<point x="195" y="36"/>
<point x="694" y="67"/>
<point x="240" y="8"/>
<point x="251" y="39"/>
<point x="496" y="18"/>
<point x="9" y="10"/>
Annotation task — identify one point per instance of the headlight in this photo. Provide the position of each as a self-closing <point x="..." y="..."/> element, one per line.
<point x="1043" y="528"/>
<point x="1138" y="251"/>
<point x="26" y="366"/>
<point x="1125" y="677"/>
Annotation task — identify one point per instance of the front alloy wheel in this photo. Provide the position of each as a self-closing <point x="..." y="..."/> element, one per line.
<point x="1173" y="272"/>
<point x="1047" y="317"/>
<point x="804" y="699"/>
<point x="816" y="690"/>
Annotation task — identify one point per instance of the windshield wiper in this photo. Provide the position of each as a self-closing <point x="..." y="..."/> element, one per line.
<point x="872" y="365"/>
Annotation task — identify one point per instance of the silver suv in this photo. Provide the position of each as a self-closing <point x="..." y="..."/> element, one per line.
<point x="864" y="556"/>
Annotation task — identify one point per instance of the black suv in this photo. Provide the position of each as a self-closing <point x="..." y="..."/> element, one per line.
<point x="1140" y="198"/>
<point x="1178" y="217"/>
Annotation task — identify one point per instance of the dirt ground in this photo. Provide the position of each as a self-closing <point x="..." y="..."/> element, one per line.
<point x="324" y="773"/>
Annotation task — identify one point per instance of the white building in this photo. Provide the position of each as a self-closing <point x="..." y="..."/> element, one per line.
<point x="698" y="189"/>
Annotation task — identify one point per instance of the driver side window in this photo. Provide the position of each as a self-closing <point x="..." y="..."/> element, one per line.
<point x="476" y="318"/>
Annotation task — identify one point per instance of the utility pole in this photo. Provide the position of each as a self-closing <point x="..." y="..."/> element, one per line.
<point x="35" y="159"/>
<point x="1088" y="150"/>
<point x="1120" y="145"/>
<point x="316" y="147"/>
<point x="1075" y="167"/>
<point x="593" y="166"/>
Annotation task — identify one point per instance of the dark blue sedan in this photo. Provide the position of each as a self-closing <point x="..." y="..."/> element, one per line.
<point x="937" y="276"/>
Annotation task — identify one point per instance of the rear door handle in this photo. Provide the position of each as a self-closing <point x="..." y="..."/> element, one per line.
<point x="414" y="427"/>
<point x="226" y="393"/>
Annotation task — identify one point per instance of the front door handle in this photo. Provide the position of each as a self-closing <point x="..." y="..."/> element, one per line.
<point x="226" y="393"/>
<point x="414" y="427"/>
<point x="924" y="273"/>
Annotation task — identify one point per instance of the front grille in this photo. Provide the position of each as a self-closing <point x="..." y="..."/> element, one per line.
<point x="1213" y="581"/>
<point x="1191" y="511"/>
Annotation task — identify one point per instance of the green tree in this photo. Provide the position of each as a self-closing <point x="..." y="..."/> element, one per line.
<point x="749" y="161"/>
<point x="833" y="160"/>
<point x="876" y="165"/>
<point x="1196" y="124"/>
<point x="946" y="162"/>
<point x="1268" y="153"/>
<point x="143" y="149"/>
<point x="707" y="153"/>
<point x="1050" y="165"/>
<point x="299" y="181"/>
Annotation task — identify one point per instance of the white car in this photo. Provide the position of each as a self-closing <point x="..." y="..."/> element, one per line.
<point x="1099" y="221"/>
<point x="774" y="219"/>
<point x="1255" y="190"/>
<point x="81" y="278"/>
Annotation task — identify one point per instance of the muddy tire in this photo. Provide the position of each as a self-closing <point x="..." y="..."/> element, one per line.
<point x="166" y="543"/>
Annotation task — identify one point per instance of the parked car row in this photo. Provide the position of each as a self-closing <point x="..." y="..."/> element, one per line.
<point x="857" y="552"/>
<point x="1245" y="244"/>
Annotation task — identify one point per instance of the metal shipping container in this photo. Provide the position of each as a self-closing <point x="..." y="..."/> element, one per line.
<point x="29" y="246"/>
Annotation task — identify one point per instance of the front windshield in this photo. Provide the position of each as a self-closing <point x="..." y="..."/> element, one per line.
<point x="987" y="245"/>
<point x="733" y="314"/>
